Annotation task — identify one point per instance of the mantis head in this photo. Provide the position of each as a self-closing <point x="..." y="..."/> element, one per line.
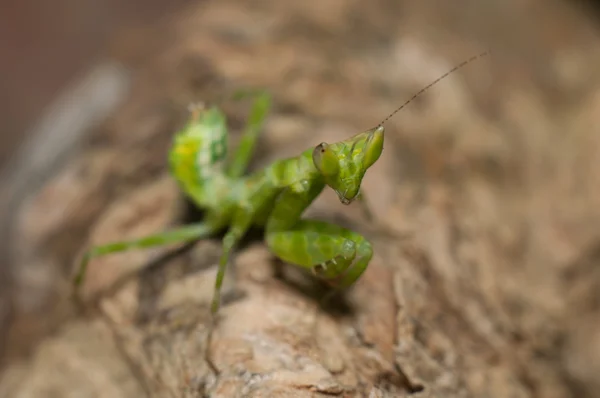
<point x="344" y="164"/>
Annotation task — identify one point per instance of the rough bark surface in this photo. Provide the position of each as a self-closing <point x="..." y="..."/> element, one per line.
<point x="492" y="177"/>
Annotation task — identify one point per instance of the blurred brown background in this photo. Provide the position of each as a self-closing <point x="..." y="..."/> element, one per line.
<point x="494" y="172"/>
<point x="45" y="47"/>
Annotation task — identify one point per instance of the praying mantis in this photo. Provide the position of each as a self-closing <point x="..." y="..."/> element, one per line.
<point x="273" y="198"/>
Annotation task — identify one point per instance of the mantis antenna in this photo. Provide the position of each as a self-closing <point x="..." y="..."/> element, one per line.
<point x="433" y="83"/>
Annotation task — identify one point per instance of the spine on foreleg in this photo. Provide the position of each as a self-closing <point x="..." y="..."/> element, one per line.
<point x="198" y="153"/>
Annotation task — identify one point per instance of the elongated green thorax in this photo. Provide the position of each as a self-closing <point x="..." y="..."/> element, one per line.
<point x="344" y="164"/>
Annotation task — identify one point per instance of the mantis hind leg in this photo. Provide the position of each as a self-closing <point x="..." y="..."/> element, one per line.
<point x="334" y="254"/>
<point x="184" y="234"/>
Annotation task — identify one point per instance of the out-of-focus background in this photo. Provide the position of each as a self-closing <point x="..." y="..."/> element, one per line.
<point x="47" y="47"/>
<point x="494" y="172"/>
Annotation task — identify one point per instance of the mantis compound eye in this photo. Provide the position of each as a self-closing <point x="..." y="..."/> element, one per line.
<point x="325" y="160"/>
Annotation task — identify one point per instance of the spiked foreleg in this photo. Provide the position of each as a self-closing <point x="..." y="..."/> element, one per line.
<point x="334" y="254"/>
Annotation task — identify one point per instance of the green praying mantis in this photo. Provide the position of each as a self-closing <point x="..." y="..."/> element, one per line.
<point x="273" y="198"/>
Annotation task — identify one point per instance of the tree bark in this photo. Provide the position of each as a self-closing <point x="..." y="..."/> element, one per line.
<point x="489" y="181"/>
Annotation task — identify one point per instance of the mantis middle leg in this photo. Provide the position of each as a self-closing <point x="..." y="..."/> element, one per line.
<point x="240" y="223"/>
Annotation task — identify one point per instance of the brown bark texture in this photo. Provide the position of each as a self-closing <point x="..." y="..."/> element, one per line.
<point x="488" y="287"/>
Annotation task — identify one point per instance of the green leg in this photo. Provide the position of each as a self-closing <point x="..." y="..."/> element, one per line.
<point x="241" y="221"/>
<point x="335" y="254"/>
<point x="240" y="224"/>
<point x="244" y="152"/>
<point x="180" y="235"/>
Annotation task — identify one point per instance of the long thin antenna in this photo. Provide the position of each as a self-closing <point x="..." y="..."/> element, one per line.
<point x="476" y="57"/>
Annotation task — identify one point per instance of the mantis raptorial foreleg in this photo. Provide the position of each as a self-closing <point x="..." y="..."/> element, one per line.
<point x="334" y="254"/>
